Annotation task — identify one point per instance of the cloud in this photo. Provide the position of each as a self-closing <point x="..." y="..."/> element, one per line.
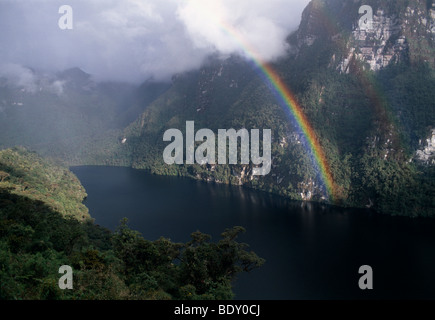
<point x="132" y="40"/>
<point x="249" y="27"/>
<point x="19" y="76"/>
<point x="56" y="87"/>
<point x="25" y="78"/>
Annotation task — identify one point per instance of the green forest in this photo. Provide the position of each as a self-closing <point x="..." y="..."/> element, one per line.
<point x="369" y="99"/>
<point x="370" y="124"/>
<point x="43" y="225"/>
<point x="369" y="138"/>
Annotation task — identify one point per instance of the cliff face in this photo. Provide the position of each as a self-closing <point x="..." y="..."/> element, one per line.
<point x="362" y="72"/>
<point x="365" y="85"/>
<point x="374" y="44"/>
<point x="353" y="36"/>
<point x="390" y="37"/>
<point x="375" y="33"/>
<point x="427" y="152"/>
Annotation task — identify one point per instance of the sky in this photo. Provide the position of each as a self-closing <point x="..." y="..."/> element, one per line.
<point x="134" y="40"/>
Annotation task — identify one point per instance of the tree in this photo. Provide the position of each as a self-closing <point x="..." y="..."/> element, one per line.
<point x="4" y="176"/>
<point x="207" y="265"/>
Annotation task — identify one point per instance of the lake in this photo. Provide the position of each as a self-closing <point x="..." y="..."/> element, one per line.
<point x="312" y="251"/>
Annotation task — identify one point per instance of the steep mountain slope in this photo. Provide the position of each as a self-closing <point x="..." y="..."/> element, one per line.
<point x="25" y="174"/>
<point x="367" y="92"/>
<point x="58" y="114"/>
<point x="361" y="71"/>
<point x="382" y="105"/>
<point x="44" y="225"/>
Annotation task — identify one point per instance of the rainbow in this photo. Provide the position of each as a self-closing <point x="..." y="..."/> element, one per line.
<point x="289" y="101"/>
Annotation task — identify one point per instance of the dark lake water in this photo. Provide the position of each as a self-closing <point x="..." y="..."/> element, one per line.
<point x="312" y="251"/>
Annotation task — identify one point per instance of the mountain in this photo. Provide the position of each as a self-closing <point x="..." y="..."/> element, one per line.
<point x="367" y="91"/>
<point x="44" y="225"/>
<point x="59" y="114"/>
<point x="24" y="174"/>
<point x="361" y="71"/>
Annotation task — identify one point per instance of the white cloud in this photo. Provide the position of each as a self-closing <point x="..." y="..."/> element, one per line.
<point x="19" y="76"/>
<point x="136" y="39"/>
<point x="56" y="87"/>
<point x="230" y="26"/>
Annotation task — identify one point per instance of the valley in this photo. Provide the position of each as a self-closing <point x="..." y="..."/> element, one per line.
<point x="366" y="94"/>
<point x="310" y="138"/>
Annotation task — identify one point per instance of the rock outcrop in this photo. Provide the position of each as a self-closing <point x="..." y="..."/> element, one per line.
<point x="427" y="153"/>
<point x="383" y="34"/>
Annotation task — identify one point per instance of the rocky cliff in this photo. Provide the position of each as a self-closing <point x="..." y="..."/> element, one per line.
<point x="362" y="73"/>
<point x="427" y="152"/>
<point x="373" y="32"/>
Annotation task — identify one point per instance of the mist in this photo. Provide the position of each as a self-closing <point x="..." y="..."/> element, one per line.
<point x="135" y="40"/>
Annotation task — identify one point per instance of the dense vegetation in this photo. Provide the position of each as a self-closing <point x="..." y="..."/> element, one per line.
<point x="26" y="174"/>
<point x="36" y="239"/>
<point x="60" y="115"/>
<point x="369" y="124"/>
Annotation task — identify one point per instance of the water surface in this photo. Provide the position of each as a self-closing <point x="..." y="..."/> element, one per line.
<point x="312" y="251"/>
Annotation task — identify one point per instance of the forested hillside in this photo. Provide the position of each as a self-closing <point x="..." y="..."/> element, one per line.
<point x="368" y="94"/>
<point x="43" y="225"/>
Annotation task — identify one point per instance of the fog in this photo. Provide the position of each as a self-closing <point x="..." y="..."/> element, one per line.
<point x="134" y="40"/>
